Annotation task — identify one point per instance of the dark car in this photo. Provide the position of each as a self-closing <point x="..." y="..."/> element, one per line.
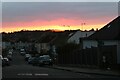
<point x="22" y="53"/>
<point x="30" y="59"/>
<point x="27" y="56"/>
<point x="5" y="62"/>
<point x="35" y="61"/>
<point x="45" y="60"/>
<point x="9" y="56"/>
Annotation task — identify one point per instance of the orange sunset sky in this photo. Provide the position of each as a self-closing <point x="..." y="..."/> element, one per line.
<point x="17" y="16"/>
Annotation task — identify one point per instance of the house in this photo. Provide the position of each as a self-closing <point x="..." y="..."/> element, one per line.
<point x="74" y="37"/>
<point x="6" y="45"/>
<point x="61" y="38"/>
<point x="109" y="35"/>
<point x="52" y="40"/>
<point x="43" y="45"/>
<point x="24" y="45"/>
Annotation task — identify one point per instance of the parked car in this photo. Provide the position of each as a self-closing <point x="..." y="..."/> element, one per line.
<point x="22" y="49"/>
<point x="10" y="53"/>
<point x="35" y="61"/>
<point x="27" y="56"/>
<point x="45" y="60"/>
<point x="5" y="62"/>
<point x="22" y="53"/>
<point x="9" y="56"/>
<point x="30" y="59"/>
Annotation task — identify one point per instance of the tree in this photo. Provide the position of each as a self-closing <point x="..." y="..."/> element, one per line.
<point x="96" y="29"/>
<point x="92" y="29"/>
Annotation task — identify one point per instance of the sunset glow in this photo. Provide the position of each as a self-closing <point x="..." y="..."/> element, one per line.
<point x="56" y="16"/>
<point x="58" y="24"/>
<point x="61" y="28"/>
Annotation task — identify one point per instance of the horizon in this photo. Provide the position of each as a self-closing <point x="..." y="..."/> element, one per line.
<point x="52" y="30"/>
<point x="60" y="16"/>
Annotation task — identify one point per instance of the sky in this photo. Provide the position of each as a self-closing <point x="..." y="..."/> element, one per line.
<point x="17" y="16"/>
<point x="60" y="0"/>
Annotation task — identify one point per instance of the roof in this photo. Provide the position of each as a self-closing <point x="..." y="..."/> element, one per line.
<point x="111" y="31"/>
<point x="62" y="38"/>
<point x="46" y="37"/>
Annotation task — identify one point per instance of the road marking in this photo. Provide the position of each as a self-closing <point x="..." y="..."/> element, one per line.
<point x="25" y="74"/>
<point x="38" y="74"/>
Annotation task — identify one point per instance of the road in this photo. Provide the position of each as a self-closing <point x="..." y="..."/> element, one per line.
<point x="19" y="68"/>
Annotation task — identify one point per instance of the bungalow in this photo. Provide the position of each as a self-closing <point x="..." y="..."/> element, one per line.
<point x="62" y="38"/>
<point x="24" y="45"/>
<point x="109" y="35"/>
<point x="6" y="45"/>
<point x="43" y="45"/>
<point x="74" y="37"/>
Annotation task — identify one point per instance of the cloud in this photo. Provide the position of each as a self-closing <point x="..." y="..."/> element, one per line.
<point x="19" y="14"/>
<point x="28" y="11"/>
<point x="60" y="0"/>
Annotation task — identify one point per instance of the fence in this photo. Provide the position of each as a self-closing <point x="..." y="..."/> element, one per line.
<point x="90" y="57"/>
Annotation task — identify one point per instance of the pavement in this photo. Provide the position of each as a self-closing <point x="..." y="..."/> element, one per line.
<point x="87" y="70"/>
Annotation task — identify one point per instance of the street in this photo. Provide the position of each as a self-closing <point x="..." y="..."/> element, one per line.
<point x="19" y="68"/>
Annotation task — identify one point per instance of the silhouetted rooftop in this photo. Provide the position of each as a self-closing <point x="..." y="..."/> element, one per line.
<point x="111" y="31"/>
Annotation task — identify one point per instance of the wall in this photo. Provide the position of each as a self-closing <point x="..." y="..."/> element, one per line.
<point x="89" y="43"/>
<point x="110" y="42"/>
<point x="38" y="47"/>
<point x="45" y="46"/>
<point x="42" y="46"/>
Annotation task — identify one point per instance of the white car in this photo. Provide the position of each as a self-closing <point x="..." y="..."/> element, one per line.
<point x="22" y="49"/>
<point x="10" y="52"/>
<point x="5" y="62"/>
<point x="27" y="56"/>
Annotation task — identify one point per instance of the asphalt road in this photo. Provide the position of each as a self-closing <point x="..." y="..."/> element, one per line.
<point x="19" y="68"/>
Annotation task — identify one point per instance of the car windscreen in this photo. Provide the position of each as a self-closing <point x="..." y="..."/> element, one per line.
<point x="44" y="58"/>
